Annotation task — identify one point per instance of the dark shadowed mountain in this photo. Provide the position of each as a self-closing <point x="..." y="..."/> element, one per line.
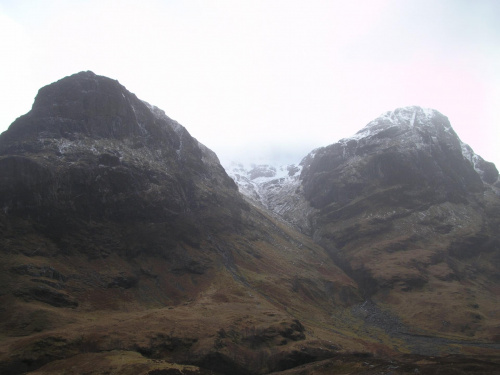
<point x="120" y="231"/>
<point x="126" y="248"/>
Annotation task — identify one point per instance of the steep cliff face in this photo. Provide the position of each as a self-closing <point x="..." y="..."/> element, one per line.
<point x="410" y="147"/>
<point x="412" y="214"/>
<point x="91" y="150"/>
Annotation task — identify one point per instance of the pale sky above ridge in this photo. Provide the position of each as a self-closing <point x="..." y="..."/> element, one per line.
<point x="263" y="78"/>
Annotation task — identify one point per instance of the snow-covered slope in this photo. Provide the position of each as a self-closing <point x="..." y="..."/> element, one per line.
<point x="259" y="182"/>
<point x="274" y="187"/>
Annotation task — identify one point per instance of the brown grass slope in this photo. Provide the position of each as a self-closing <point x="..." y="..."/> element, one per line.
<point x="263" y="301"/>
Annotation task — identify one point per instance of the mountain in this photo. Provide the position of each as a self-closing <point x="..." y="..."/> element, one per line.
<point x="122" y="234"/>
<point x="411" y="213"/>
<point x="126" y="249"/>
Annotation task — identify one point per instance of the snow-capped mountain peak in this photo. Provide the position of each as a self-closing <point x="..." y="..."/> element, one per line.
<point x="411" y="133"/>
<point x="405" y="119"/>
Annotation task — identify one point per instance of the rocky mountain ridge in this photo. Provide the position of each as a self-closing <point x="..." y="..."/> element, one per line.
<point x="254" y="180"/>
<point x="403" y="206"/>
<point x="271" y="185"/>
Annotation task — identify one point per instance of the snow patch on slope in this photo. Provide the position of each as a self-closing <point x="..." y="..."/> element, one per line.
<point x="276" y="188"/>
<point x="260" y="182"/>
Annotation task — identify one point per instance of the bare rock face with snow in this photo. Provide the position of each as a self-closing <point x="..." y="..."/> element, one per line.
<point x="409" y="147"/>
<point x="275" y="188"/>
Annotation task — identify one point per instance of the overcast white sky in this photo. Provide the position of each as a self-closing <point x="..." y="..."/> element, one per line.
<point x="267" y="78"/>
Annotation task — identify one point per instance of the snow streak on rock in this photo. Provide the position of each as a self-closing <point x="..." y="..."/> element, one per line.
<point x="276" y="188"/>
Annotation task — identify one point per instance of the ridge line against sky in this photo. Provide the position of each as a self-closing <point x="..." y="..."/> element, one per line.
<point x="267" y="78"/>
